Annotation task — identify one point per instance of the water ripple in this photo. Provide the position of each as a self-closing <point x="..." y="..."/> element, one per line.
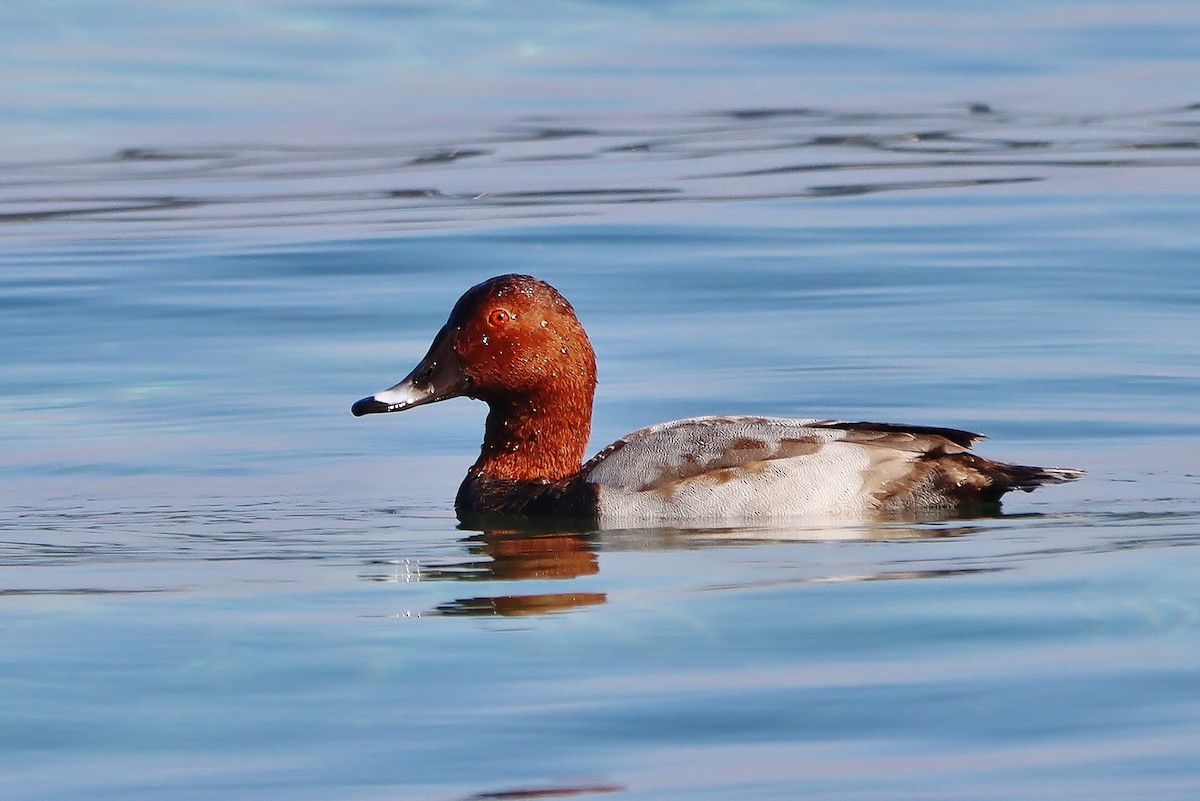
<point x="562" y="168"/>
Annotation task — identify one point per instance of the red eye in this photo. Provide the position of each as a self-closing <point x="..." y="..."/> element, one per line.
<point x="498" y="317"/>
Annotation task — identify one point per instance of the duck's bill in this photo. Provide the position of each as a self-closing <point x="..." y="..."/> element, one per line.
<point x="437" y="377"/>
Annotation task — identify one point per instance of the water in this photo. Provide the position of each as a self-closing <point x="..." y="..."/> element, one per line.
<point x="224" y="223"/>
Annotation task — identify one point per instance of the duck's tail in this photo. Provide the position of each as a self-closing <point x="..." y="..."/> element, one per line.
<point x="1027" y="479"/>
<point x="967" y="479"/>
<point x="964" y="481"/>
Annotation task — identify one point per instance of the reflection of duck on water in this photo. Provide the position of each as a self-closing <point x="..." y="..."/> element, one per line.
<point x="517" y="555"/>
<point x="528" y="551"/>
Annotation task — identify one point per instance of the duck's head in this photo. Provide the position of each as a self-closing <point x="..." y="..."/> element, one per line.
<point x="512" y="341"/>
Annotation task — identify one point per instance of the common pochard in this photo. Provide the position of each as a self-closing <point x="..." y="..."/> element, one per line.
<point x="515" y="343"/>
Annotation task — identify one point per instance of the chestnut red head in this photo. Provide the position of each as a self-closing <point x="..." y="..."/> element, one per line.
<point x="510" y="340"/>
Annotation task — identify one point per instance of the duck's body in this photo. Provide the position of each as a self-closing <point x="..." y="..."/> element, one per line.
<point x="514" y="342"/>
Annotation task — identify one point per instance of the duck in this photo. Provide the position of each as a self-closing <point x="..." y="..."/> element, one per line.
<point x="515" y="343"/>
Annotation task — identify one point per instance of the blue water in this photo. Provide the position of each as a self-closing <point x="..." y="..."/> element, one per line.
<point x="225" y="222"/>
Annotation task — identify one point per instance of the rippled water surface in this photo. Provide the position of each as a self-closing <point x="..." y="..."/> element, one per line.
<point x="223" y="223"/>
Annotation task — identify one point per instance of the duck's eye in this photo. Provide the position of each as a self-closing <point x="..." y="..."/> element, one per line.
<point x="498" y="317"/>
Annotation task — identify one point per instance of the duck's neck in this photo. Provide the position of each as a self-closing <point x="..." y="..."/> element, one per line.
<point x="535" y="439"/>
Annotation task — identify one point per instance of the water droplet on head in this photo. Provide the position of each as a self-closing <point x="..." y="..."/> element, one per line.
<point x="485" y="339"/>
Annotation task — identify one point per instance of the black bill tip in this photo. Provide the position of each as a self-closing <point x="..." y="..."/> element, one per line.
<point x="368" y="406"/>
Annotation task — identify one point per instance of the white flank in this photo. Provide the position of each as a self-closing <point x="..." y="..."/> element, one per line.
<point x="731" y="468"/>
